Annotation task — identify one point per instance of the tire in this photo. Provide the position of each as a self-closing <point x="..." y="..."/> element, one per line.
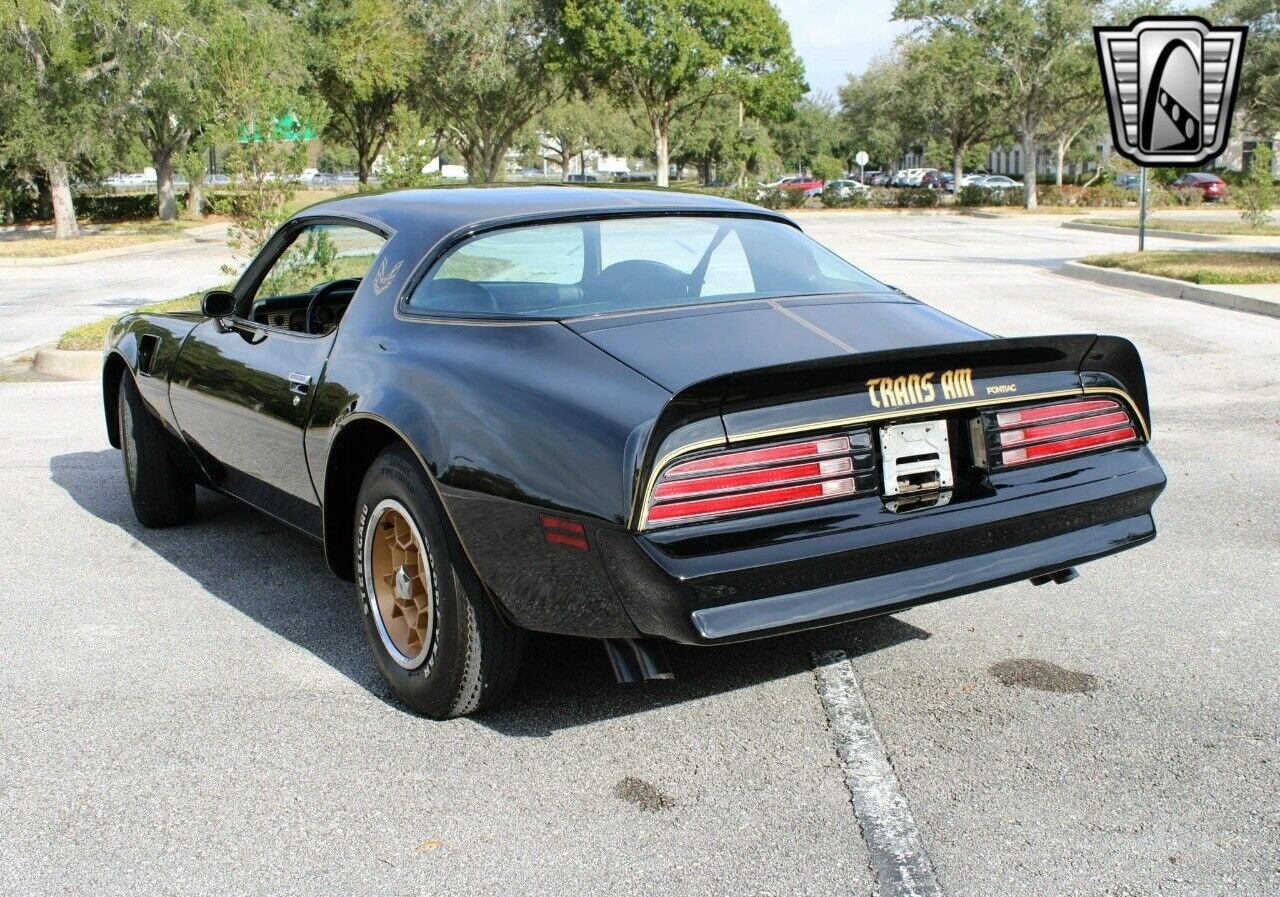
<point x="163" y="494"/>
<point x="435" y="635"/>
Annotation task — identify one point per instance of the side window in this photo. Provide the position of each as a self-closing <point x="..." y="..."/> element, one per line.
<point x="728" y="271"/>
<point x="548" y="254"/>
<point x="319" y="255"/>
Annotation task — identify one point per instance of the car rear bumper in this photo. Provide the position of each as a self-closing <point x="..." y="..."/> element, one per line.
<point x="853" y="559"/>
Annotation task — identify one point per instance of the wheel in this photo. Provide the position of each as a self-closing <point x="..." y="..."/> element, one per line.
<point x="163" y="494"/>
<point x="436" y="636"/>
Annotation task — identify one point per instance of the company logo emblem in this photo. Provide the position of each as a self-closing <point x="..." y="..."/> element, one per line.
<point x="384" y="278"/>
<point x="1171" y="87"/>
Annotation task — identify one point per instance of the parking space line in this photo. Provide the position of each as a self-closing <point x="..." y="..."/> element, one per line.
<point x="898" y="857"/>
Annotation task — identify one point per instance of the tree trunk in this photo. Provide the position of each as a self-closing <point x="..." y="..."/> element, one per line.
<point x="1028" y="171"/>
<point x="195" y="199"/>
<point x="704" y="171"/>
<point x="661" y="151"/>
<point x="1062" y="154"/>
<point x="168" y="200"/>
<point x="957" y="171"/>
<point x="44" y="198"/>
<point x="364" y="168"/>
<point x="493" y="157"/>
<point x="64" y="210"/>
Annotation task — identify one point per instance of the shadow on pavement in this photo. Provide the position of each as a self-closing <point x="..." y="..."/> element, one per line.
<point x="278" y="578"/>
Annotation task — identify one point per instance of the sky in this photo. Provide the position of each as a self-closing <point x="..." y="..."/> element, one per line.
<point x="838" y="37"/>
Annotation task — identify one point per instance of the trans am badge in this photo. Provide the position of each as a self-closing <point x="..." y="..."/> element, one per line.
<point x="1171" y="85"/>
<point x="384" y="278"/>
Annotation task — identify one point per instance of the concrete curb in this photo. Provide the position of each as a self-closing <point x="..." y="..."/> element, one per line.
<point x="1151" y="232"/>
<point x="67" y="365"/>
<point x="92" y="255"/>
<point x="1173" y="289"/>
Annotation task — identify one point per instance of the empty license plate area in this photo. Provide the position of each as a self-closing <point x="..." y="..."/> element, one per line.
<point x="916" y="461"/>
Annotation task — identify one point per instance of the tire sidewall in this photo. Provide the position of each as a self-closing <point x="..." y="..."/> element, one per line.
<point x="431" y="686"/>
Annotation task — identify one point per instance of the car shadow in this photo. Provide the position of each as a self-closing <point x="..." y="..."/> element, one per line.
<point x="278" y="578"/>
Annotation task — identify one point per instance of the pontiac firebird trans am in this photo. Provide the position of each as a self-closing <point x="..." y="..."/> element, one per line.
<point x="632" y="416"/>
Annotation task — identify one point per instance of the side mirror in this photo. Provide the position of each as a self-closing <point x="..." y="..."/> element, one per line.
<point x="218" y="304"/>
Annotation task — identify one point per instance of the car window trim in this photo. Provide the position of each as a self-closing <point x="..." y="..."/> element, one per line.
<point x="275" y="247"/>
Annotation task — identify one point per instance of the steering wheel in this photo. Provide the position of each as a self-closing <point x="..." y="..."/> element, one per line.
<point x="310" y="324"/>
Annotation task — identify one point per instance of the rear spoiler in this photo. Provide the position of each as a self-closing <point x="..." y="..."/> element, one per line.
<point x="808" y="396"/>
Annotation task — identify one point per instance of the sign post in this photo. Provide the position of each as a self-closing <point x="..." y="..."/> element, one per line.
<point x="862" y="158"/>
<point x="1142" y="209"/>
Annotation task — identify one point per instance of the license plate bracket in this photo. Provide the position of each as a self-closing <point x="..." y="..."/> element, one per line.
<point x="915" y="457"/>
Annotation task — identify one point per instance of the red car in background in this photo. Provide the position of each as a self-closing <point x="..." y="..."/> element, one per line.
<point x="810" y="186"/>
<point x="1213" y="187"/>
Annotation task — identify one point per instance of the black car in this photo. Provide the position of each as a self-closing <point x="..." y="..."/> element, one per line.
<point x="630" y="416"/>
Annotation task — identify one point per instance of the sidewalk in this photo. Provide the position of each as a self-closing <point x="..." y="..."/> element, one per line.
<point x="214" y="232"/>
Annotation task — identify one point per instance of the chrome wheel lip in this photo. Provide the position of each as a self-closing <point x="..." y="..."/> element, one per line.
<point x="371" y="595"/>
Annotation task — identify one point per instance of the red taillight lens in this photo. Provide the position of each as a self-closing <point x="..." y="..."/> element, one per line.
<point x="563" y="531"/>
<point x="1041" y="432"/>
<point x="759" y="479"/>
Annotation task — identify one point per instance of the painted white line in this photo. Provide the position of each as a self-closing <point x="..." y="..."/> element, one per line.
<point x="902" y="866"/>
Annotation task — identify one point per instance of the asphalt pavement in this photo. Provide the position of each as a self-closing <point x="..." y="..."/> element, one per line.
<point x="195" y="710"/>
<point x="39" y="303"/>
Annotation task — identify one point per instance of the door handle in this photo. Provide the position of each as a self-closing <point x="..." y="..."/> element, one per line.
<point x="299" y="384"/>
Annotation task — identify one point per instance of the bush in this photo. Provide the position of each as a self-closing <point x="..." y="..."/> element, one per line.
<point x="791" y="198"/>
<point x="117" y="206"/>
<point x="1256" y="194"/>
<point x="971" y="196"/>
<point x="827" y="168"/>
<point x="854" y="199"/>
<point x="1107" y="196"/>
<point x="917" y="198"/>
<point x="1053" y="195"/>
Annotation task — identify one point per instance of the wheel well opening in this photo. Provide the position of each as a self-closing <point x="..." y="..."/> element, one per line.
<point x="112" y="371"/>
<point x="357" y="445"/>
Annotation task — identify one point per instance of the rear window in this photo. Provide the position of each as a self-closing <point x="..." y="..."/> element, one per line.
<point x="631" y="263"/>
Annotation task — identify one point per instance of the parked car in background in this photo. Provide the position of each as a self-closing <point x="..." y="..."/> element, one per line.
<point x="1213" y="188"/>
<point x="810" y="185"/>
<point x="582" y="179"/>
<point x="970" y="179"/>
<point x="879" y="179"/>
<point x="846" y="187"/>
<point x="933" y="180"/>
<point x="1127" y="181"/>
<point x="864" y="177"/>
<point x="995" y="182"/>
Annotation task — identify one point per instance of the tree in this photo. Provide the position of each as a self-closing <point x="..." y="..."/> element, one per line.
<point x="64" y="56"/>
<point x="1025" y="42"/>
<point x="870" y="110"/>
<point x="1257" y="193"/>
<point x="812" y="130"/>
<point x="721" y="139"/>
<point x="574" y="124"/>
<point x="671" y="57"/>
<point x="363" y="55"/>
<point x="485" y="75"/>
<point x="948" y="94"/>
<point x="1260" y="72"/>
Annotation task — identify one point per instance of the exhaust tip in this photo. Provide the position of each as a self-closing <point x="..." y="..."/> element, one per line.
<point x="1061" y="577"/>
<point x="637" y="659"/>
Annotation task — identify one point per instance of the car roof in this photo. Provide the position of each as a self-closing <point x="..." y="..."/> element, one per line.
<point x="432" y="213"/>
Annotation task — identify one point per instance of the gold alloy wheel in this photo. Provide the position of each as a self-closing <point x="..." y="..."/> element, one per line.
<point x="400" y="583"/>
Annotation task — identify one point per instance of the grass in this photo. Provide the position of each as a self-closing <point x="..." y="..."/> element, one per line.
<point x="89" y="337"/>
<point x="105" y="236"/>
<point x="1229" y="227"/>
<point x="1197" y="266"/>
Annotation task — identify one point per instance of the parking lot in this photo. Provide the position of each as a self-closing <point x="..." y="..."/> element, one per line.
<point x="196" y="710"/>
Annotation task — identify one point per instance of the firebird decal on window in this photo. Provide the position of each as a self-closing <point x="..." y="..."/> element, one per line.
<point x="384" y="278"/>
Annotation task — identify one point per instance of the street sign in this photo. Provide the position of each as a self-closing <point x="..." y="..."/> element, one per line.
<point x="862" y="158"/>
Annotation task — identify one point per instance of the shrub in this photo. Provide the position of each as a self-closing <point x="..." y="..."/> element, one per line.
<point x="854" y="199"/>
<point x="917" y="198"/>
<point x="1053" y="195"/>
<point x="971" y="196"/>
<point x="792" y="198"/>
<point x="1107" y="196"/>
<point x="827" y="168"/>
<point x="1256" y="194"/>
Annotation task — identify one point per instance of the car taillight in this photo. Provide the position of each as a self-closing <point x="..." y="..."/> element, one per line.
<point x="1042" y="432"/>
<point x="763" y="478"/>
